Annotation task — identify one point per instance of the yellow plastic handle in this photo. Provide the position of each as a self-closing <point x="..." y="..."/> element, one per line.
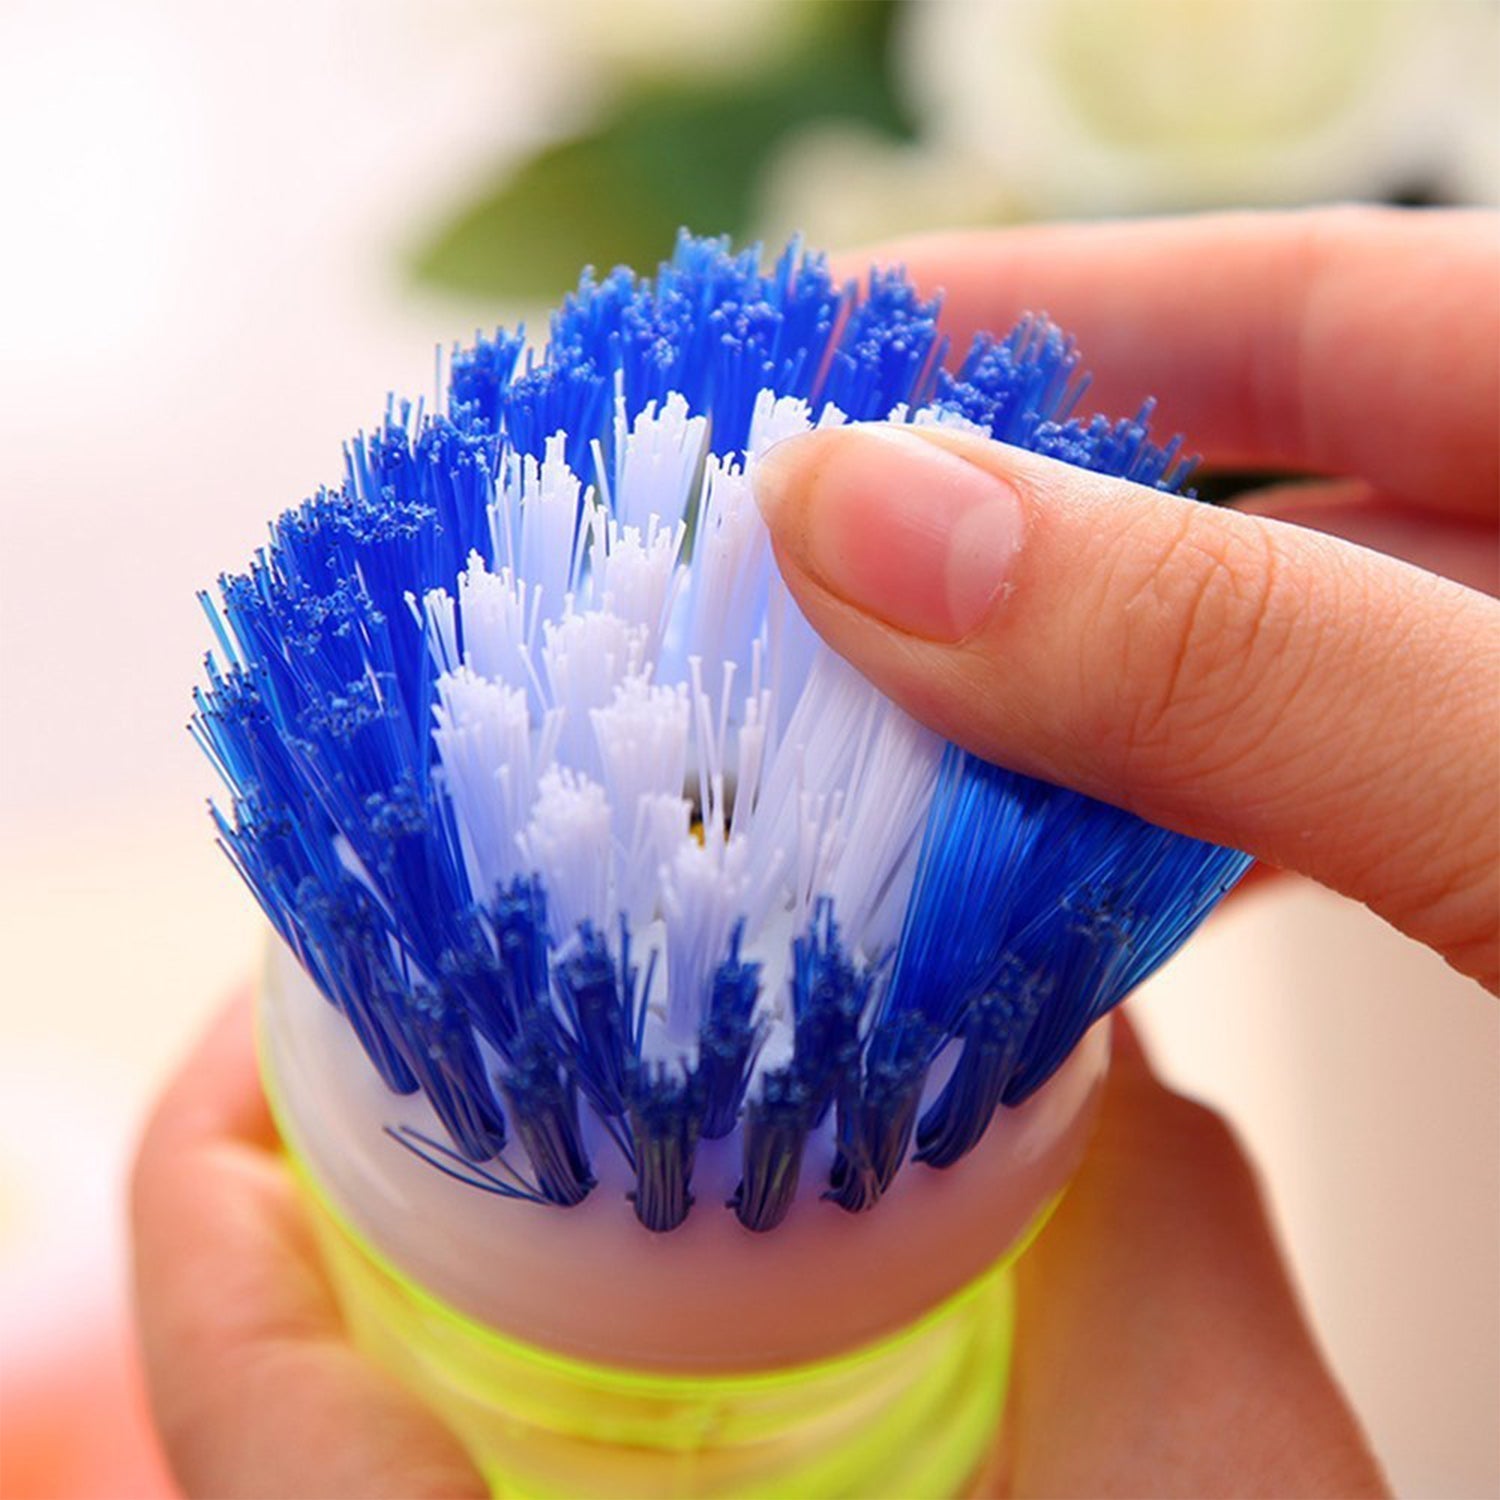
<point x="914" y="1415"/>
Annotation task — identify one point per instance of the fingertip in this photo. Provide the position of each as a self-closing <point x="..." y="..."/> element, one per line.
<point x="903" y="530"/>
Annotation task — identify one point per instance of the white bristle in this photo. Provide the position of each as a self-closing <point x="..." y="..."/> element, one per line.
<point x="939" y="416"/>
<point x="885" y="807"/>
<point x="602" y="672"/>
<point x="661" y="824"/>
<point x="642" y="737"/>
<point x="659" y="459"/>
<point x="546" y="500"/>
<point x="437" y="618"/>
<point x="702" y="896"/>
<point x="776" y="418"/>
<point x="731" y="572"/>
<point x="791" y="648"/>
<point x="841" y="799"/>
<point x="816" y="753"/>
<point x="483" y="736"/>
<point x="636" y="575"/>
<point x="566" y="842"/>
<point x="498" y="612"/>
<point x="585" y="657"/>
<point x="819" y="844"/>
<point x="709" y="749"/>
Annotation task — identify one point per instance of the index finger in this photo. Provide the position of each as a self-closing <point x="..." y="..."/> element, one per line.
<point x="1346" y="341"/>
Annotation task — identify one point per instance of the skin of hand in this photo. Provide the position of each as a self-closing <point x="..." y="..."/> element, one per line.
<point x="1234" y="676"/>
<point x="1230" y="675"/>
<point x="254" y="1386"/>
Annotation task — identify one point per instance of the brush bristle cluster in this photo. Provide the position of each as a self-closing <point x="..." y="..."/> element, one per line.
<point x="538" y="769"/>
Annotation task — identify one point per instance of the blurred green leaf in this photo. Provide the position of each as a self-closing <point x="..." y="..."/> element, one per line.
<point x="663" y="156"/>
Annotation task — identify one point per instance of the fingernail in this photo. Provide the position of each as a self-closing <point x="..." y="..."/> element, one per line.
<point x="893" y="524"/>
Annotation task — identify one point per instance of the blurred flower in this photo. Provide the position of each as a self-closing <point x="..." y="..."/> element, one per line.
<point x="842" y="185"/>
<point x="1100" y="106"/>
<point x="1473" y="173"/>
<point x="853" y="120"/>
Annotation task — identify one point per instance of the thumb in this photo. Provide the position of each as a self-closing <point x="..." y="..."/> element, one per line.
<point x="1320" y="706"/>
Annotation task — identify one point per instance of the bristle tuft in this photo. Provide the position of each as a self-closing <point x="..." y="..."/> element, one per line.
<point x="538" y="769"/>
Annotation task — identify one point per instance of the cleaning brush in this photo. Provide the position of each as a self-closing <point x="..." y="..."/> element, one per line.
<point x="636" y="897"/>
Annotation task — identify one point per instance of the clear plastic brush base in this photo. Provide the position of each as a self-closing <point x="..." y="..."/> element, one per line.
<point x="578" y="1355"/>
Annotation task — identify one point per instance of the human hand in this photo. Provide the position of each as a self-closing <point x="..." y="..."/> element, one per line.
<point x="255" y="1387"/>
<point x="1160" y="1348"/>
<point x="1200" y="1376"/>
<point x="1228" y="675"/>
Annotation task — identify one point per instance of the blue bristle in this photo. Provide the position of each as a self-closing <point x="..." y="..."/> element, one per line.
<point x="472" y="974"/>
<point x="877" y="1112"/>
<point x="573" y="398"/>
<point x="1012" y="386"/>
<point x="773" y="1135"/>
<point x="342" y="939"/>
<point x="1123" y="449"/>
<point x="727" y="1040"/>
<point x="991" y="1035"/>
<point x="711" y="327"/>
<point x="1097" y="943"/>
<point x="666" y="1118"/>
<point x="829" y="996"/>
<point x="543" y="1108"/>
<point x="889" y="353"/>
<point x="515" y="979"/>
<point x="1044" y="906"/>
<point x="502" y="1179"/>
<point x="978" y="855"/>
<point x="441" y="1051"/>
<point x="1032" y="911"/>
<point x="595" y="997"/>
<point x="480" y="377"/>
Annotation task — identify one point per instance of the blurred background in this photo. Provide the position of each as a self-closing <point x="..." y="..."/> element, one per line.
<point x="229" y="230"/>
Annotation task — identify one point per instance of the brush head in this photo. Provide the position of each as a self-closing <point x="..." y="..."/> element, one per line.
<point x="594" y="845"/>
